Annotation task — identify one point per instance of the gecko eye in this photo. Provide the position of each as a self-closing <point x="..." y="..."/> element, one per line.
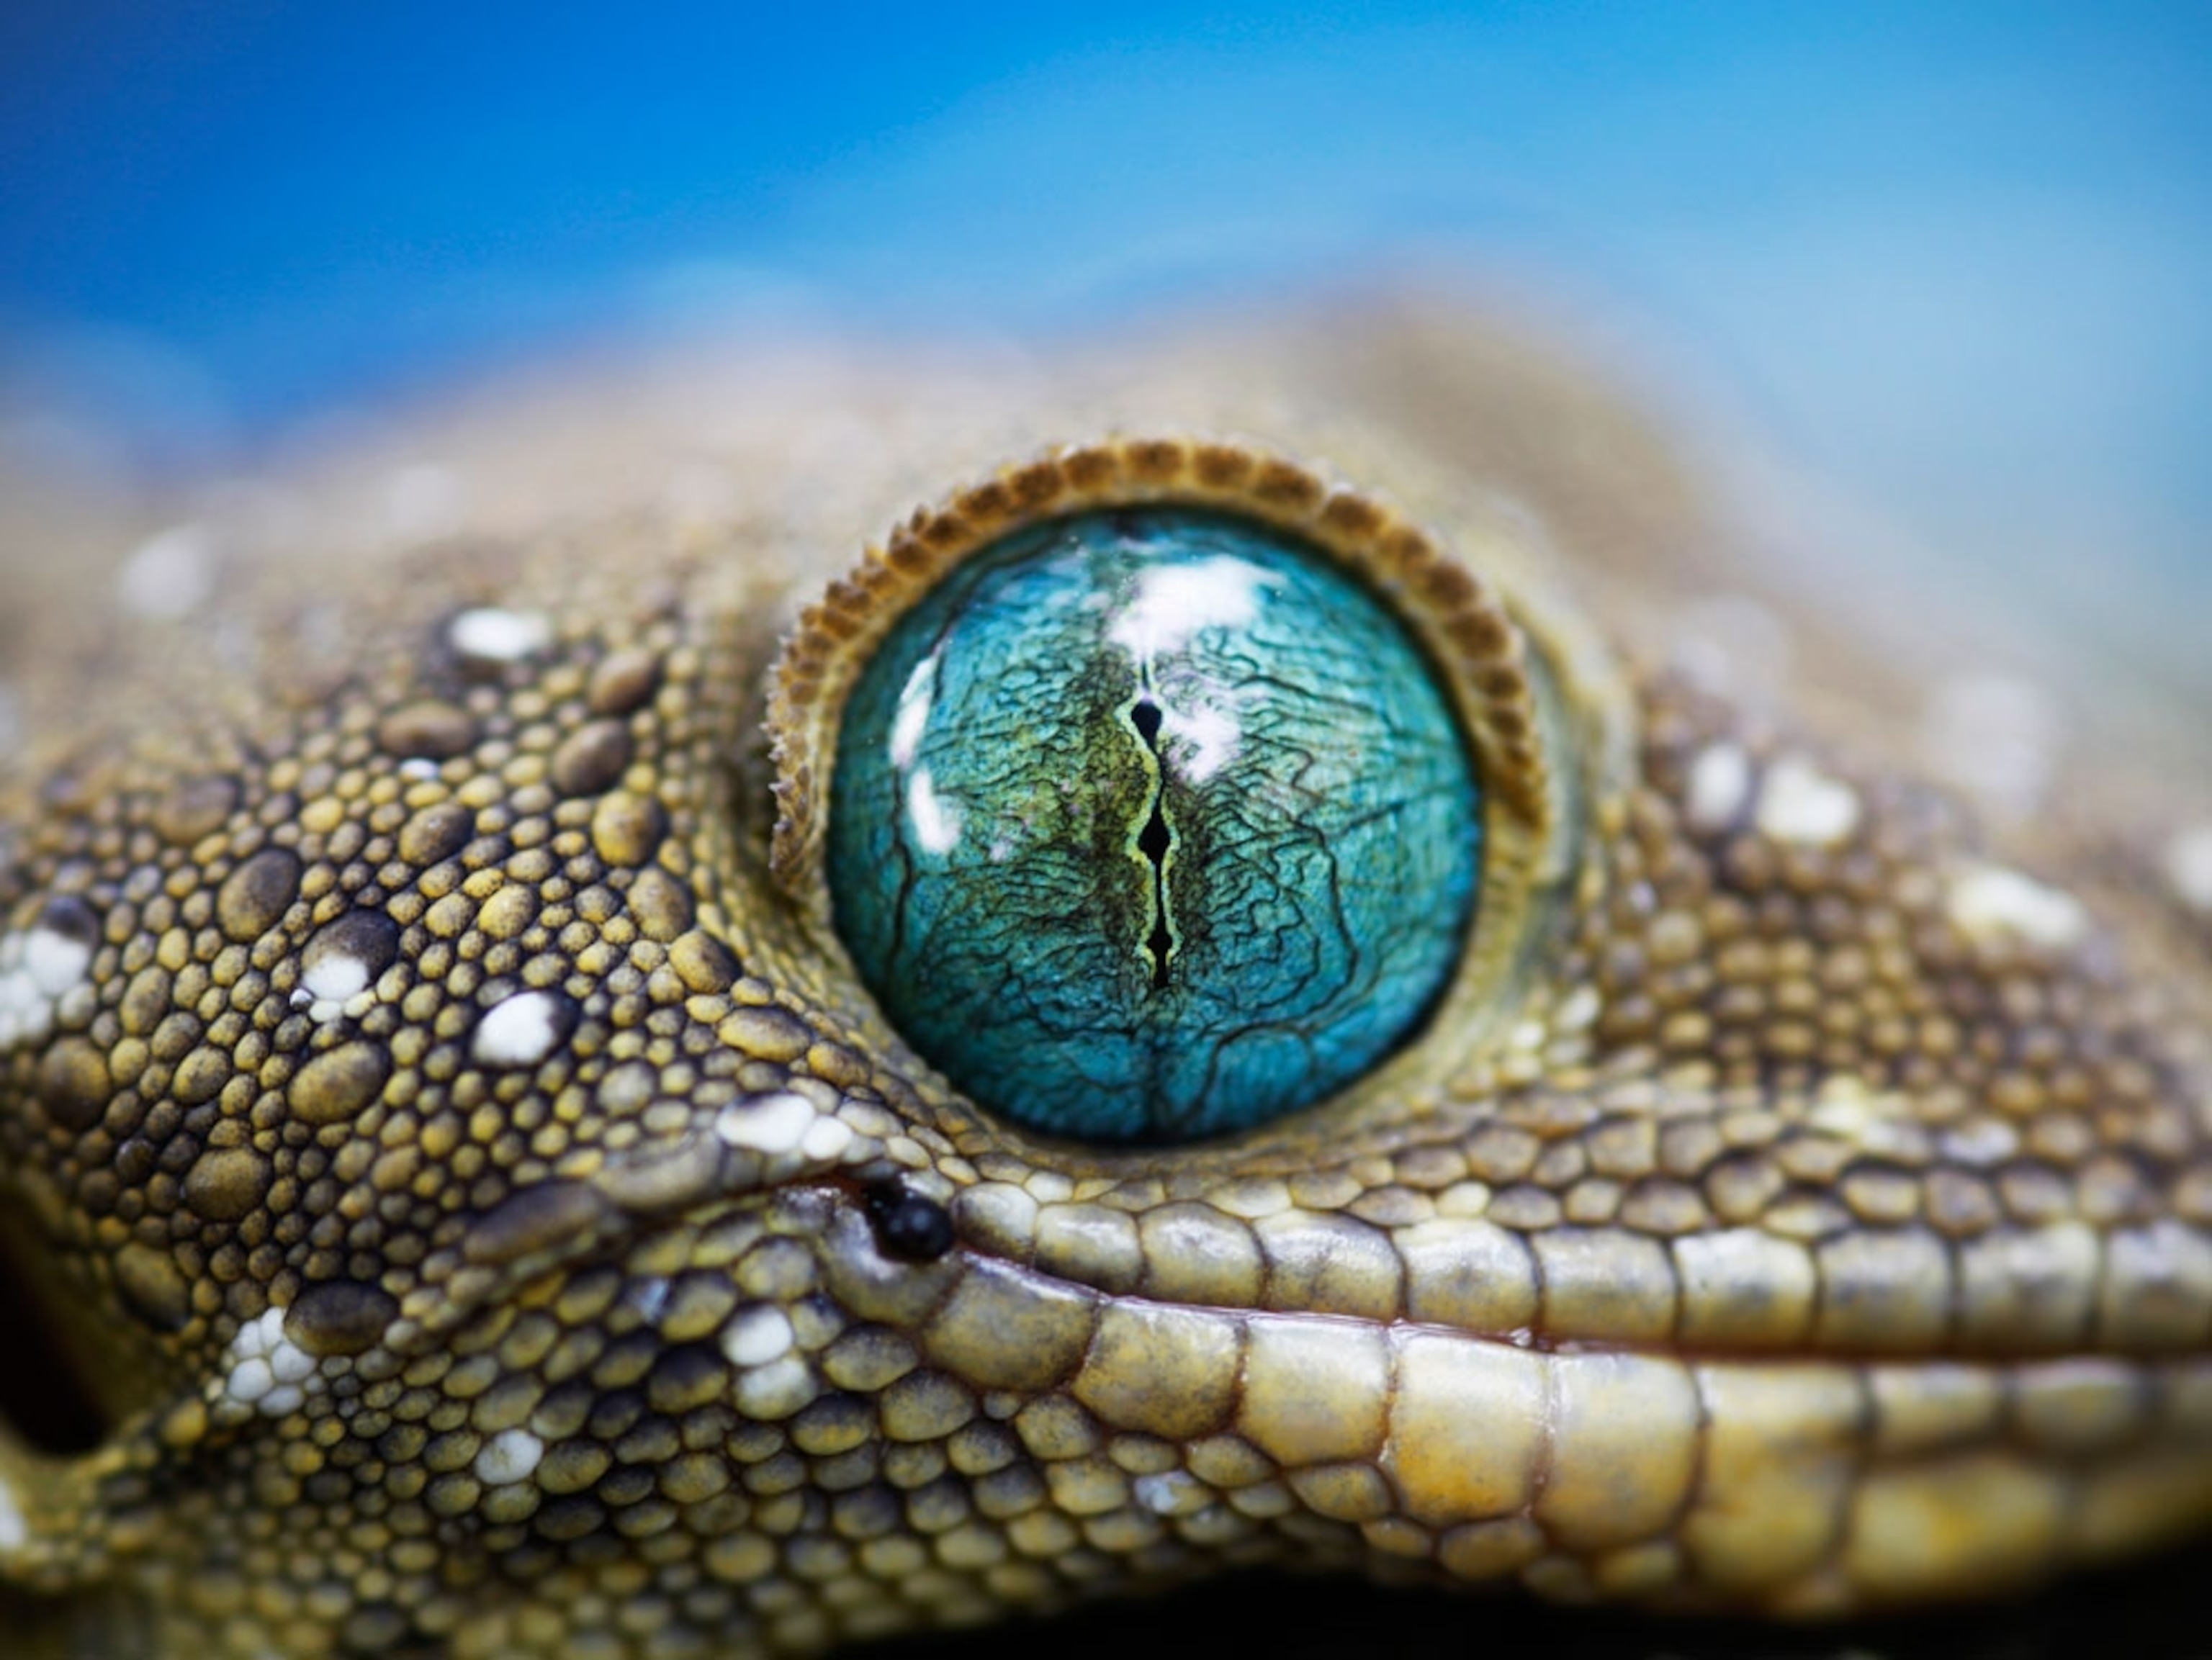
<point x="1148" y="817"/>
<point x="1151" y="824"/>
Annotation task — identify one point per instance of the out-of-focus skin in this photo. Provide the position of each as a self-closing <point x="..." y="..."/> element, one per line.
<point x="444" y="1149"/>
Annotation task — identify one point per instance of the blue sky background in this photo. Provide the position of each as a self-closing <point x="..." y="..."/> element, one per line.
<point x="1960" y="255"/>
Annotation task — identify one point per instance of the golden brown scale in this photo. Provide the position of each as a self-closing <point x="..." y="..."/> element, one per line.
<point x="488" y="1217"/>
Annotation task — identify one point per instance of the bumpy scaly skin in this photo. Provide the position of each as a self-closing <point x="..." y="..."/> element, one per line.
<point x="468" y="1178"/>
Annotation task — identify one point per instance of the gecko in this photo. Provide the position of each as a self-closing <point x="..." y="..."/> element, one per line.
<point x="724" y="1005"/>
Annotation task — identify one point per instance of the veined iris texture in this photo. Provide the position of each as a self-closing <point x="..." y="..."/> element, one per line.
<point x="1152" y="824"/>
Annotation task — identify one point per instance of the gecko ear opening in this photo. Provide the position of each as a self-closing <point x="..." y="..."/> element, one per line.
<point x="55" y="1448"/>
<point x="43" y="1401"/>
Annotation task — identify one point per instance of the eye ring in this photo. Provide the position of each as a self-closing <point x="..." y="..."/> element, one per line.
<point x="1497" y="681"/>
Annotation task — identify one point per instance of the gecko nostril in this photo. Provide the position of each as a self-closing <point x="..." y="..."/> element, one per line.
<point x="908" y="1226"/>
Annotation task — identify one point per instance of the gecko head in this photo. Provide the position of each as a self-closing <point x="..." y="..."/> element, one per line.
<point x="1198" y="1016"/>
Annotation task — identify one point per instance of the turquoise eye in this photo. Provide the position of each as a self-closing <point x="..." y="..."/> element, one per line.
<point x="1152" y="824"/>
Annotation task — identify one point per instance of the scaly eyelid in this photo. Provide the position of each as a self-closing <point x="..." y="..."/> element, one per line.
<point x="1546" y="746"/>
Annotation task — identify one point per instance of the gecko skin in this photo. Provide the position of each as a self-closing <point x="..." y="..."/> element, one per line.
<point x="449" y="1152"/>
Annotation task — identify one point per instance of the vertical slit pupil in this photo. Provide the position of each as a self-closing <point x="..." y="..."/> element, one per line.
<point x="1153" y="842"/>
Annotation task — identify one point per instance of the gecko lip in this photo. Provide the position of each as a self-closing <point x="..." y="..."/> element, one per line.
<point x="1787" y="1473"/>
<point x="1796" y="1473"/>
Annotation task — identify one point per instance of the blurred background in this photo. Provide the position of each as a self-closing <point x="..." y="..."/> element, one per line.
<point x="1955" y="259"/>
